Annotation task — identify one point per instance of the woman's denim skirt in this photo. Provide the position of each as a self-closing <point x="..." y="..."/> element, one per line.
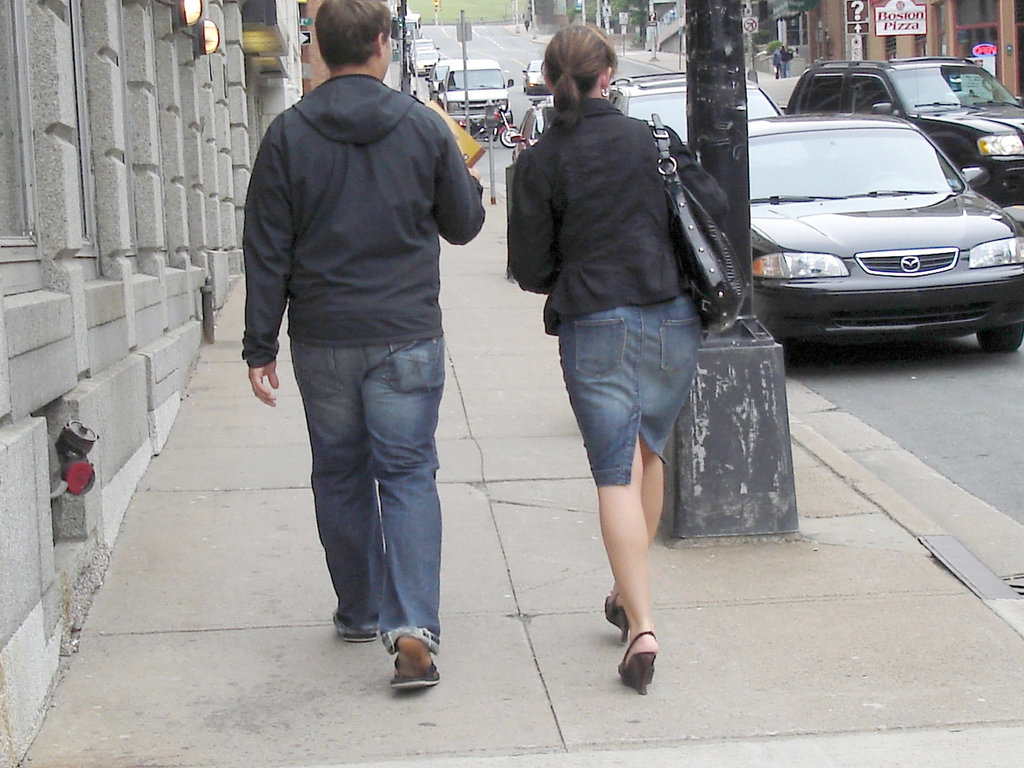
<point x="628" y="371"/>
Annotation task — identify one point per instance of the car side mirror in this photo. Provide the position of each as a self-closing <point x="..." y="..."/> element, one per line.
<point x="975" y="176"/>
<point x="882" y="108"/>
<point x="511" y="83"/>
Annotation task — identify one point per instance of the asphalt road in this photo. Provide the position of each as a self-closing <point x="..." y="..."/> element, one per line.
<point x="958" y="409"/>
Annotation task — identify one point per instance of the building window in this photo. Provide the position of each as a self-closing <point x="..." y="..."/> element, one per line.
<point x="129" y="152"/>
<point x="977" y="13"/>
<point x="976" y="22"/>
<point x="86" y="187"/>
<point x="890" y="47"/>
<point x="940" y="16"/>
<point x="15" y="222"/>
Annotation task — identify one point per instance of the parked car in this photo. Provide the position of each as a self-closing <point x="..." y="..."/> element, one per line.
<point x="424" y="55"/>
<point x="537" y="118"/>
<point x="437" y="77"/>
<point x="665" y="95"/>
<point x="533" y="79"/>
<point x="862" y="229"/>
<point x="481" y="82"/>
<point x="966" y="111"/>
<point x="641" y="96"/>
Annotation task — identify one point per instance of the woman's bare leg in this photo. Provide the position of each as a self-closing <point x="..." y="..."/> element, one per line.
<point x="624" y="528"/>
<point x="652" y="490"/>
<point x="652" y="494"/>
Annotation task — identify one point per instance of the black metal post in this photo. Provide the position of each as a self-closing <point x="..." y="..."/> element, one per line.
<point x="731" y="465"/>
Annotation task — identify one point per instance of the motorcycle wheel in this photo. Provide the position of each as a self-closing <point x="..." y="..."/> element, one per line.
<point x="505" y="137"/>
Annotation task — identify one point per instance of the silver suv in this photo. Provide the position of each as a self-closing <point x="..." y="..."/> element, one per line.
<point x="665" y="94"/>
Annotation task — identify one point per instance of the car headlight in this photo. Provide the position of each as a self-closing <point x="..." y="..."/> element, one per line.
<point x="997" y="253"/>
<point x="787" y="265"/>
<point x="1001" y="144"/>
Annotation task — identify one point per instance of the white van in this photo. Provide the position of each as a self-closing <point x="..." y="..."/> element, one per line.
<point x="482" y="79"/>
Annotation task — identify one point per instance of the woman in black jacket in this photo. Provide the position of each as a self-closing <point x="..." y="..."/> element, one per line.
<point x="588" y="226"/>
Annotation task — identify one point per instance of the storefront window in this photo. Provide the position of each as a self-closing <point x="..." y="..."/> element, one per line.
<point x="972" y="12"/>
<point x="976" y="22"/>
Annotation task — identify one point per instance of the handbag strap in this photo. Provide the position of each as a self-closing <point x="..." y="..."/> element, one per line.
<point x="666" y="163"/>
<point x="668" y="168"/>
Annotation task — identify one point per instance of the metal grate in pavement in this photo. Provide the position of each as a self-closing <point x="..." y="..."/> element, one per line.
<point x="969" y="569"/>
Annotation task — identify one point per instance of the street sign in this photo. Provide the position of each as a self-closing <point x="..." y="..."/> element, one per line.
<point x="748" y="10"/>
<point x="750" y="25"/>
<point x="305" y="21"/>
<point x="623" y="19"/>
<point x="305" y="37"/>
<point x="856" y="17"/>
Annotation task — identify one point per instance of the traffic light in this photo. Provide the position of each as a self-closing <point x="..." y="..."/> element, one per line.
<point x="437" y="5"/>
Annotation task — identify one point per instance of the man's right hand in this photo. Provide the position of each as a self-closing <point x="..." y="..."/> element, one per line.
<point x="259" y="387"/>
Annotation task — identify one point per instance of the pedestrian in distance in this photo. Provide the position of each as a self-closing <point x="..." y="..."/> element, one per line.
<point x="350" y="190"/>
<point x="777" y="61"/>
<point x="590" y="229"/>
<point x="785" y="56"/>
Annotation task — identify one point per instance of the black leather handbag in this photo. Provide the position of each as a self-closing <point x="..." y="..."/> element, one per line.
<point x="705" y="256"/>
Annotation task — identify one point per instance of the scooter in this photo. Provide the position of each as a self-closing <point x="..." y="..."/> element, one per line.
<point x="501" y="128"/>
<point x="504" y="128"/>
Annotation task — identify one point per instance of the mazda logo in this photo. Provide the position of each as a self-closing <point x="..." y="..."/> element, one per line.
<point x="910" y="263"/>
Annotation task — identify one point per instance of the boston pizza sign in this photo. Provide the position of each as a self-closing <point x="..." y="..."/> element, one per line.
<point x="900" y="17"/>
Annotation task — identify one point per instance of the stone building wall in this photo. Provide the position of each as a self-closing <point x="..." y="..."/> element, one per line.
<point x="125" y="161"/>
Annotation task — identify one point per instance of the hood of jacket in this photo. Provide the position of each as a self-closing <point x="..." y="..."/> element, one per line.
<point x="349" y="109"/>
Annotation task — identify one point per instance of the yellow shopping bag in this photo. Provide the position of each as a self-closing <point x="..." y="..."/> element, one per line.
<point x="471" y="149"/>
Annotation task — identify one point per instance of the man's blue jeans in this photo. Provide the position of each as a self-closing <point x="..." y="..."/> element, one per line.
<point x="372" y="413"/>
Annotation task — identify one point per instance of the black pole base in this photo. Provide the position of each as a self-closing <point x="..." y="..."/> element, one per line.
<point x="730" y="460"/>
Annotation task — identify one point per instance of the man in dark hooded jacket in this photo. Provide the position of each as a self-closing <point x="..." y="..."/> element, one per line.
<point x="349" y="192"/>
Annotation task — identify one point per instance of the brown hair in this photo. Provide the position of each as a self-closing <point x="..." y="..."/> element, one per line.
<point x="347" y="30"/>
<point x="573" y="60"/>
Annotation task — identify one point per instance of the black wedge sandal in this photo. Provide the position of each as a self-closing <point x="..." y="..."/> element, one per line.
<point x="616" y="615"/>
<point x="637" y="671"/>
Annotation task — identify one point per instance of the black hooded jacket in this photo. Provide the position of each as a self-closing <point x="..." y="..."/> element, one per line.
<point x="350" y="189"/>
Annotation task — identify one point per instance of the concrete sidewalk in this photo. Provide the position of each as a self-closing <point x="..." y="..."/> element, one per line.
<point x="210" y="642"/>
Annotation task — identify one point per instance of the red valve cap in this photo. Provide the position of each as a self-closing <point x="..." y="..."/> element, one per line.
<point x="80" y="476"/>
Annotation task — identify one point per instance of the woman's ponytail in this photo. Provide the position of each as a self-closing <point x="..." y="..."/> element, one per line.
<point x="573" y="60"/>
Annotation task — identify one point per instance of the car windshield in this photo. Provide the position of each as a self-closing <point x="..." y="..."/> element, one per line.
<point x="949" y="86"/>
<point x="478" y="78"/>
<point x="535" y="66"/>
<point x="861" y="162"/>
<point x="671" y="107"/>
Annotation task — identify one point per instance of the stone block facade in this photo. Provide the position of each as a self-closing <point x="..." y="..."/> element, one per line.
<point x="131" y="156"/>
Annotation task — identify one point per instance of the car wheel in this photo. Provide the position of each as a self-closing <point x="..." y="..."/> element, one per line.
<point x="1005" y="339"/>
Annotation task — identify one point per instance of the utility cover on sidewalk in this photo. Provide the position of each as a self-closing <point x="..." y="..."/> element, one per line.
<point x="968" y="568"/>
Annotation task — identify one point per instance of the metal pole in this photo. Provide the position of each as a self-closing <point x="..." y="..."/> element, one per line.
<point x="681" y="33"/>
<point x="489" y="127"/>
<point x="465" y="68"/>
<point x="406" y="80"/>
<point x="731" y="457"/>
